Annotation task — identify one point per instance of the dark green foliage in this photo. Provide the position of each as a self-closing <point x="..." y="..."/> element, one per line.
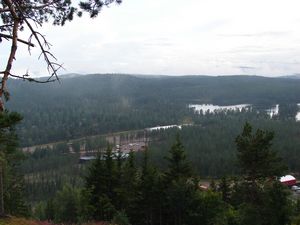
<point x="179" y="197"/>
<point x="94" y="7"/>
<point x="287" y="111"/>
<point x="50" y="210"/>
<point x="129" y="182"/>
<point x="120" y="219"/>
<point x="66" y="205"/>
<point x="210" y="146"/>
<point x="151" y="196"/>
<point x="94" y="182"/>
<point x="207" y="208"/>
<point x="179" y="184"/>
<point x="100" y="186"/>
<point x="178" y="167"/>
<point x="278" y="208"/>
<point x="47" y="171"/>
<point x="60" y="12"/>
<point x="14" y="201"/>
<point x="40" y="211"/>
<point x="260" y="198"/>
<point x="224" y="189"/>
<point x="256" y="159"/>
<point x="213" y="186"/>
<point x="10" y="157"/>
<point x="273" y="206"/>
<point x="54" y="111"/>
<point x="119" y="191"/>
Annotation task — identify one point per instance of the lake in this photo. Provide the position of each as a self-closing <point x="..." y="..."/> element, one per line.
<point x="210" y="108"/>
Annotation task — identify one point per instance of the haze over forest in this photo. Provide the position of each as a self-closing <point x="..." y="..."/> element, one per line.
<point x="96" y="104"/>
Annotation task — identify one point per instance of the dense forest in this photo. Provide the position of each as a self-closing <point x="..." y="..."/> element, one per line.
<point x="82" y="110"/>
<point x="210" y="149"/>
<point x="97" y="104"/>
<point x="123" y="192"/>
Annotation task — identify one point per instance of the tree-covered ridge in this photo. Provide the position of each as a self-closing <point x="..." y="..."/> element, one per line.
<point x="95" y="104"/>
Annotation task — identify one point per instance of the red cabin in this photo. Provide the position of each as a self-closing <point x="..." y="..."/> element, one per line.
<point x="288" y="180"/>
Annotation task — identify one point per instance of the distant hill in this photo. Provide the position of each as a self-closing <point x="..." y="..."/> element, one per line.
<point x="295" y="76"/>
<point x="101" y="103"/>
<point x="70" y="75"/>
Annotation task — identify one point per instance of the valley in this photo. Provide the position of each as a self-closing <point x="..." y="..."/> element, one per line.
<point x="124" y="119"/>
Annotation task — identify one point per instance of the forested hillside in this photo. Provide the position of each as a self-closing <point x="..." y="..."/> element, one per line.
<point x="93" y="104"/>
<point x="165" y="178"/>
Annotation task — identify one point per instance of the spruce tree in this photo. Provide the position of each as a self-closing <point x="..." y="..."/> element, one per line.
<point x="178" y="166"/>
<point x="130" y="186"/>
<point x="100" y="187"/>
<point x="179" y="185"/>
<point x="151" y="197"/>
<point x="261" y="198"/>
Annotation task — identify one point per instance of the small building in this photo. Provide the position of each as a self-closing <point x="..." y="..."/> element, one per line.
<point x="288" y="180"/>
<point x="84" y="159"/>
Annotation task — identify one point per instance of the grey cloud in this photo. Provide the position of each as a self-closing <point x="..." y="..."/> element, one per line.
<point x="247" y="67"/>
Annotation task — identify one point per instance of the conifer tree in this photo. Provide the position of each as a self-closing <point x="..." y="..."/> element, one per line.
<point x="256" y="158"/>
<point x="224" y="188"/>
<point x="66" y="203"/>
<point x="100" y="187"/>
<point x="260" y="166"/>
<point x="11" y="188"/>
<point x="150" y="200"/>
<point x="119" y="190"/>
<point x="178" y="188"/>
<point x="178" y="166"/>
<point x="130" y="185"/>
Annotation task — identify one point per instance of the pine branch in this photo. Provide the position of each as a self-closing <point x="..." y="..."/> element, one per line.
<point x="6" y="36"/>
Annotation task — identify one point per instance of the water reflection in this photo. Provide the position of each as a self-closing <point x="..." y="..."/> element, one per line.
<point x="274" y="111"/>
<point x="210" y="108"/>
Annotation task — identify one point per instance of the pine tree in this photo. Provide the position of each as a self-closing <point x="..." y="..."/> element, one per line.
<point x="256" y="158"/>
<point x="262" y="199"/>
<point x="11" y="182"/>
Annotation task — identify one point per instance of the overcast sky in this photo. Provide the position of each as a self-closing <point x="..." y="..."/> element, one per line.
<point x="175" y="37"/>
